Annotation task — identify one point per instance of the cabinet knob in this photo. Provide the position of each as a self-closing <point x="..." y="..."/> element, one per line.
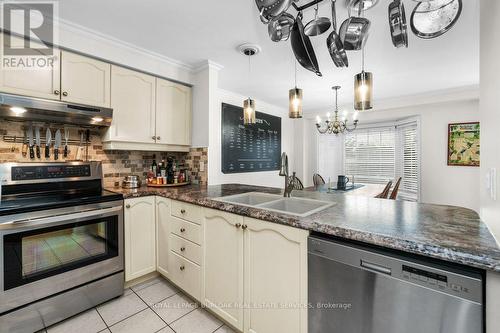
<point x="244" y="226"/>
<point x="238" y="225"/>
<point x="183" y="211"/>
<point x="127" y="206"/>
<point x="65" y="93"/>
<point x="153" y="137"/>
<point x="182" y="268"/>
<point x="183" y="249"/>
<point x="182" y="229"/>
<point x="57" y="92"/>
<point x="157" y="138"/>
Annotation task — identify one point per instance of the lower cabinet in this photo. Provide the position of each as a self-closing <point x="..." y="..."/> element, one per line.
<point x="140" y="239"/>
<point x="255" y="273"/>
<point x="162" y="235"/>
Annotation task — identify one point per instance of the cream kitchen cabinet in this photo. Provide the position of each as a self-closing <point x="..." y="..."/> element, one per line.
<point x="140" y="239"/>
<point x="275" y="259"/>
<point x="162" y="235"/>
<point x="133" y="103"/>
<point x="85" y="80"/>
<point x="258" y="264"/>
<point x="222" y="276"/>
<point x="41" y="83"/>
<point x="173" y="113"/>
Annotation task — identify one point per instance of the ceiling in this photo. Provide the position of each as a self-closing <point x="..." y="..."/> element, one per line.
<point x="192" y="31"/>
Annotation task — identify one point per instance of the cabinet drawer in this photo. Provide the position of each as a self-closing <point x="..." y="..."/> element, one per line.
<point x="187" y="211"/>
<point x="186" y="230"/>
<point x="185" y="274"/>
<point x="185" y="248"/>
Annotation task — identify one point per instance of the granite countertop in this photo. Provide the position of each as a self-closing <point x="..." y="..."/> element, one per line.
<point x="448" y="233"/>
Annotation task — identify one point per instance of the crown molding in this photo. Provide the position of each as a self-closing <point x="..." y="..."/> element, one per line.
<point x="208" y="64"/>
<point x="72" y="27"/>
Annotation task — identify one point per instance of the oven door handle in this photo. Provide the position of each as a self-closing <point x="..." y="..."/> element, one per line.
<point x="65" y="217"/>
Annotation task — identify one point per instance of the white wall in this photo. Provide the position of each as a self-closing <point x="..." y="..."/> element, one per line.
<point x="267" y="178"/>
<point x="440" y="183"/>
<point x="305" y="150"/>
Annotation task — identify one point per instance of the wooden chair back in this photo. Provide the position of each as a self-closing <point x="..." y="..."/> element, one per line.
<point x="318" y="180"/>
<point x="385" y="193"/>
<point x="395" y="190"/>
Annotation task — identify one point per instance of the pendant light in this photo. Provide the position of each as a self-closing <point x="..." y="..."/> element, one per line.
<point x="363" y="87"/>
<point x="249" y="50"/>
<point x="295" y="99"/>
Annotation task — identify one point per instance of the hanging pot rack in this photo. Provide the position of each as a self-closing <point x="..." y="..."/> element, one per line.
<point x="306" y="6"/>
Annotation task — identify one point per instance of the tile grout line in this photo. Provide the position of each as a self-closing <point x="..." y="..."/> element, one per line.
<point x="218" y="328"/>
<point x="105" y="323"/>
<point x="109" y="326"/>
<point x="149" y="307"/>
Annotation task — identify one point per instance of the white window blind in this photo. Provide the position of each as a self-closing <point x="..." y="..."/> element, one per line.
<point x="370" y="155"/>
<point x="376" y="155"/>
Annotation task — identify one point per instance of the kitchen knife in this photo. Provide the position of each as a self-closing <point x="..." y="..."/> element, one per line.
<point x="38" y="142"/>
<point x="30" y="140"/>
<point x="24" y="149"/>
<point x="57" y="144"/>
<point x="66" y="138"/>
<point x="48" y="141"/>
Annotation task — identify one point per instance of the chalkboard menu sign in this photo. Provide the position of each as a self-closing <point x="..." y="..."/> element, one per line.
<point x="249" y="148"/>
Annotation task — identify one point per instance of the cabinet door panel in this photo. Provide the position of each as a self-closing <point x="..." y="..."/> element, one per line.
<point x="85" y="80"/>
<point x="222" y="280"/>
<point x="162" y="234"/>
<point x="173" y="113"/>
<point x="42" y="83"/>
<point x="275" y="277"/>
<point x="140" y="240"/>
<point x="133" y="103"/>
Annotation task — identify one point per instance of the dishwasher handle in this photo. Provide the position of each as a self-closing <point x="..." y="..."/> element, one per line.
<point x="375" y="267"/>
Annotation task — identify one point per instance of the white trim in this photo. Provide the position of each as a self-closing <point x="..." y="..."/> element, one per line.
<point x="207" y="64"/>
<point x="93" y="34"/>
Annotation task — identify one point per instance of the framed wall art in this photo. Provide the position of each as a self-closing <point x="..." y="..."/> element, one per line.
<point x="464" y="144"/>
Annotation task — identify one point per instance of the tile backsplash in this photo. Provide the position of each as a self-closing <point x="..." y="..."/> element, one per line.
<point x="116" y="163"/>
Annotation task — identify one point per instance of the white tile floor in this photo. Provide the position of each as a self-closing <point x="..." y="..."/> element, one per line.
<point x="153" y="306"/>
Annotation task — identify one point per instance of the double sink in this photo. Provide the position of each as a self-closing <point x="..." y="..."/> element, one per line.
<point x="301" y="207"/>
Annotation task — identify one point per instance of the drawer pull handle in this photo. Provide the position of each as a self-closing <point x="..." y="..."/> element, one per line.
<point x="56" y="92"/>
<point x="183" y="249"/>
<point x="238" y="225"/>
<point x="244" y="226"/>
<point x="182" y="268"/>
<point x="65" y="93"/>
<point x="182" y="229"/>
<point x="183" y="211"/>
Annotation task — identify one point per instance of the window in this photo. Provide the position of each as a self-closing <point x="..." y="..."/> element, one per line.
<point x="375" y="155"/>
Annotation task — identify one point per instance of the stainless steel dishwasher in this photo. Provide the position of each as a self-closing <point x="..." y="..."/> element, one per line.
<point x="359" y="289"/>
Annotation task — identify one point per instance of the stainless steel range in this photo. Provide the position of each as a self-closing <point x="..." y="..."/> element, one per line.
<point x="61" y="241"/>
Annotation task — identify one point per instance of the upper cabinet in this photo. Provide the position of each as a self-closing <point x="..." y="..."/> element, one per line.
<point x="133" y="103"/>
<point x="41" y="83"/>
<point x="173" y="113"/>
<point x="85" y="80"/>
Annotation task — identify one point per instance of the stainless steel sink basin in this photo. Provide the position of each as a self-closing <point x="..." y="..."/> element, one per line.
<point x="295" y="206"/>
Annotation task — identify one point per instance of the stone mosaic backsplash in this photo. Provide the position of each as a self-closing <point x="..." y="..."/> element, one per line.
<point x="116" y="163"/>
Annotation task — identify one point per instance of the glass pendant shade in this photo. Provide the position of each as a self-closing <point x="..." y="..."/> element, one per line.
<point x="363" y="91"/>
<point x="295" y="103"/>
<point x="249" y="111"/>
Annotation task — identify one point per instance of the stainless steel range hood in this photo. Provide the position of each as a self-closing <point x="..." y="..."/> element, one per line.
<point x="15" y="107"/>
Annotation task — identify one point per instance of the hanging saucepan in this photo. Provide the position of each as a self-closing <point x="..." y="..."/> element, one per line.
<point x="397" y="23"/>
<point x="317" y="26"/>
<point x="270" y="9"/>
<point x="432" y="19"/>
<point x="279" y="28"/>
<point x="364" y="4"/>
<point x="302" y="47"/>
<point x="334" y="44"/>
<point x="354" y="32"/>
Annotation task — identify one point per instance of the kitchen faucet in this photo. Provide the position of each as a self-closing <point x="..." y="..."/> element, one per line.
<point x="290" y="182"/>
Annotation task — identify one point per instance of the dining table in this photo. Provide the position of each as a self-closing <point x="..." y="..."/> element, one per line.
<point x="359" y="189"/>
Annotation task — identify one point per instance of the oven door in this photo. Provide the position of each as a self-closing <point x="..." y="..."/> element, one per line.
<point x="52" y="251"/>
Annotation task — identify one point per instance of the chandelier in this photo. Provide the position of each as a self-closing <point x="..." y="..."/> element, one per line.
<point x="336" y="126"/>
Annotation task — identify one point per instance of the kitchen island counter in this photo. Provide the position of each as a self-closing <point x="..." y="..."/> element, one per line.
<point x="449" y="233"/>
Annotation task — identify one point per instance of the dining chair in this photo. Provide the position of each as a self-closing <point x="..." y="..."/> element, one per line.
<point x="318" y="180"/>
<point x="385" y="193"/>
<point x="395" y="190"/>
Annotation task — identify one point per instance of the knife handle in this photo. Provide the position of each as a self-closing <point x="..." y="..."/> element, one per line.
<point x="32" y="152"/>
<point x="47" y="151"/>
<point x="56" y="153"/>
<point x="65" y="151"/>
<point x="38" y="154"/>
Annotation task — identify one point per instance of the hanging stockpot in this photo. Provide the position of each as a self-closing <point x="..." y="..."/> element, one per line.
<point x="318" y="25"/>
<point x="397" y="24"/>
<point x="434" y="18"/>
